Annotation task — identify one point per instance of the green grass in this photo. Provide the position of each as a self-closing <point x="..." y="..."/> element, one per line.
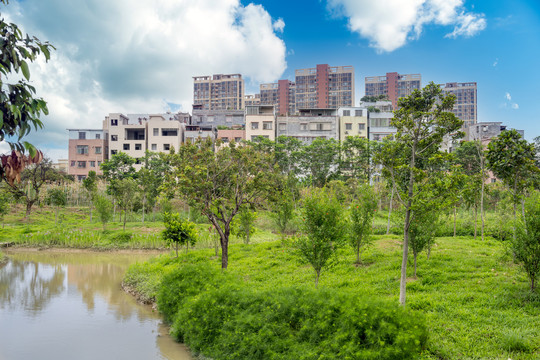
<point x="475" y="301"/>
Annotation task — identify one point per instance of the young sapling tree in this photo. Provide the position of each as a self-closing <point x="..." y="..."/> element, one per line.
<point x="361" y="220"/>
<point x="178" y="231"/>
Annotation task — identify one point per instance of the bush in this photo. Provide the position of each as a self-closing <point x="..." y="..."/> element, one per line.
<point x="216" y="315"/>
<point x="122" y="237"/>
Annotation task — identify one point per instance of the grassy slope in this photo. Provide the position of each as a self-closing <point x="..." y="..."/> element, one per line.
<point x="475" y="300"/>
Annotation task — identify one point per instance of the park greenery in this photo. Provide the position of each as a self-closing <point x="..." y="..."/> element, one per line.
<point x="301" y="251"/>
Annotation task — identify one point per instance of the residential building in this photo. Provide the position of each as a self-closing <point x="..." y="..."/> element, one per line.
<point x="380" y="115"/>
<point x="465" y="106"/>
<point x="353" y="121"/>
<point x="229" y="135"/>
<point x="324" y="87"/>
<point x="62" y="165"/>
<point x="87" y="150"/>
<point x="194" y="132"/>
<point x="393" y="85"/>
<point x="310" y="124"/>
<point x="260" y="121"/>
<point x="217" y="118"/>
<point x="134" y="134"/>
<point x="281" y="95"/>
<point x="254" y="99"/>
<point x="219" y="92"/>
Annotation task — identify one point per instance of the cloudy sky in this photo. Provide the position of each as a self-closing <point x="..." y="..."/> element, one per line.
<point x="140" y="56"/>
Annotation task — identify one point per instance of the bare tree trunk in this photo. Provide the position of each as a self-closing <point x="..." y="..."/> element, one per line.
<point x="125" y="218"/>
<point x="390" y="210"/>
<point x="318" y="274"/>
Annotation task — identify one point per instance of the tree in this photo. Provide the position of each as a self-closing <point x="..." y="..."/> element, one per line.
<point x="56" y="197"/>
<point x="220" y="183"/>
<point x="5" y="201"/>
<point x="361" y="219"/>
<point x="32" y="180"/>
<point x="103" y="209"/>
<point x="355" y="158"/>
<point x="323" y="231"/>
<point x="124" y="192"/>
<point x="118" y="167"/>
<point x="511" y="159"/>
<point x="422" y="120"/>
<point x="526" y="245"/>
<point x="90" y="185"/>
<point x="178" y="231"/>
<point x="19" y="109"/>
<point x="318" y="160"/>
<point x="243" y="224"/>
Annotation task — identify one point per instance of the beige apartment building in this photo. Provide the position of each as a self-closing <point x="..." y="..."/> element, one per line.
<point x="465" y="106"/>
<point x="87" y="150"/>
<point x="393" y="85"/>
<point x="353" y="121"/>
<point x="219" y="92"/>
<point x="134" y="134"/>
<point x="260" y="121"/>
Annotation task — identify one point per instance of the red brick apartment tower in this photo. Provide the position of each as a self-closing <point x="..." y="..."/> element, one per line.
<point x="392" y="87"/>
<point x="283" y="96"/>
<point x="322" y="86"/>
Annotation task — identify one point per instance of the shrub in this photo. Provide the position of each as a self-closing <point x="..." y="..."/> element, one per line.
<point x="122" y="237"/>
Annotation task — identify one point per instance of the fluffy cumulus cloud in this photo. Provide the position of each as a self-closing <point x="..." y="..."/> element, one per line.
<point x="134" y="57"/>
<point x="389" y="24"/>
<point x="508" y="103"/>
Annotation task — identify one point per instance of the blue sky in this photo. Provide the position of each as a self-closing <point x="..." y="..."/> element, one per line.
<point x="134" y="57"/>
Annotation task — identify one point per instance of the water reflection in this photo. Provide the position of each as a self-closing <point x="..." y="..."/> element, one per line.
<point x="75" y="301"/>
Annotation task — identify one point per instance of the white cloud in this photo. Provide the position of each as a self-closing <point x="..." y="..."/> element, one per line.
<point x="279" y="25"/>
<point x="515" y="106"/>
<point x="125" y="56"/>
<point x="507" y="96"/>
<point x="390" y="24"/>
<point x="496" y="62"/>
<point x="509" y="103"/>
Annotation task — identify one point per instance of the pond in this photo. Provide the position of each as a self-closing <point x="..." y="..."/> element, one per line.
<point x="58" y="305"/>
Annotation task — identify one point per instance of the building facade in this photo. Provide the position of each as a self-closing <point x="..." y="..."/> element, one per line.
<point x="353" y="121"/>
<point x="380" y="116"/>
<point x="215" y="118"/>
<point x="282" y="95"/>
<point x="393" y="85"/>
<point x="324" y="87"/>
<point x="88" y="148"/>
<point x="310" y="124"/>
<point x="465" y="106"/>
<point x="219" y="92"/>
<point x="252" y="99"/>
<point x="260" y="121"/>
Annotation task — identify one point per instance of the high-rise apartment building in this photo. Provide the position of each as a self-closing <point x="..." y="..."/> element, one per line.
<point x="281" y="95"/>
<point x="219" y="92"/>
<point x="324" y="87"/>
<point x="465" y="106"/>
<point x="393" y="85"/>
<point x="252" y="99"/>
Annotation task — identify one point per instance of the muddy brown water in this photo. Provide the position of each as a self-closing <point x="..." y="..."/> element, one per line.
<point x="58" y="305"/>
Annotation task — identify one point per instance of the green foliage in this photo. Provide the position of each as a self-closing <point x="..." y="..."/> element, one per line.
<point x="178" y="231"/>
<point x="318" y="159"/>
<point x="374" y="98"/>
<point x="361" y="219"/>
<point x="5" y="204"/>
<point x="526" y="246"/>
<point x="19" y="109"/>
<point x="243" y="224"/>
<point x="124" y="191"/>
<point x="323" y="228"/>
<point x="216" y="316"/>
<point x="119" y="166"/>
<point x="104" y="209"/>
<point x="355" y="160"/>
<point x="122" y="237"/>
<point x="90" y="183"/>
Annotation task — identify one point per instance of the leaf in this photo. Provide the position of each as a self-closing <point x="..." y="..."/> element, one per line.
<point x="25" y="70"/>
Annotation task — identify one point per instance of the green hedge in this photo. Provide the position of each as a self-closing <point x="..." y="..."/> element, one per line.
<point x="220" y="317"/>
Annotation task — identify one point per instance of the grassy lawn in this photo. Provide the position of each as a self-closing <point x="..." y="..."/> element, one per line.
<point x="475" y="301"/>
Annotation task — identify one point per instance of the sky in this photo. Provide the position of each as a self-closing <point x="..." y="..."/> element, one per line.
<point x="140" y="56"/>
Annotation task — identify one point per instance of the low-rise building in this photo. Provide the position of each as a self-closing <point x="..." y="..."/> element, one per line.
<point x="353" y="121"/>
<point x="310" y="124"/>
<point x="260" y="121"/>
<point x="87" y="150"/>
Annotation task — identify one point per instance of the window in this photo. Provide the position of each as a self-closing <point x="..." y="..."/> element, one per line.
<point x="126" y="147"/>
<point x="361" y="127"/>
<point x="82" y="135"/>
<point x="254" y="125"/>
<point x="357" y="112"/>
<point x="98" y="150"/>
<point x="346" y="112"/>
<point x="114" y="137"/>
<point x="98" y="163"/>
<point x="114" y="152"/>
<point x="237" y="139"/>
<point x="166" y="147"/>
<point x="348" y="126"/>
<point x="82" y="149"/>
<point x="225" y="139"/>
<point x="267" y="125"/>
<point x="98" y="136"/>
<point x="81" y="177"/>
<point x="73" y="163"/>
<point x="154" y="147"/>
<point x="138" y="146"/>
<point x="156" y="131"/>
<point x="92" y="164"/>
<point x="282" y="127"/>
<point x="81" y="164"/>
<point x="114" y="122"/>
<point x="303" y="126"/>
